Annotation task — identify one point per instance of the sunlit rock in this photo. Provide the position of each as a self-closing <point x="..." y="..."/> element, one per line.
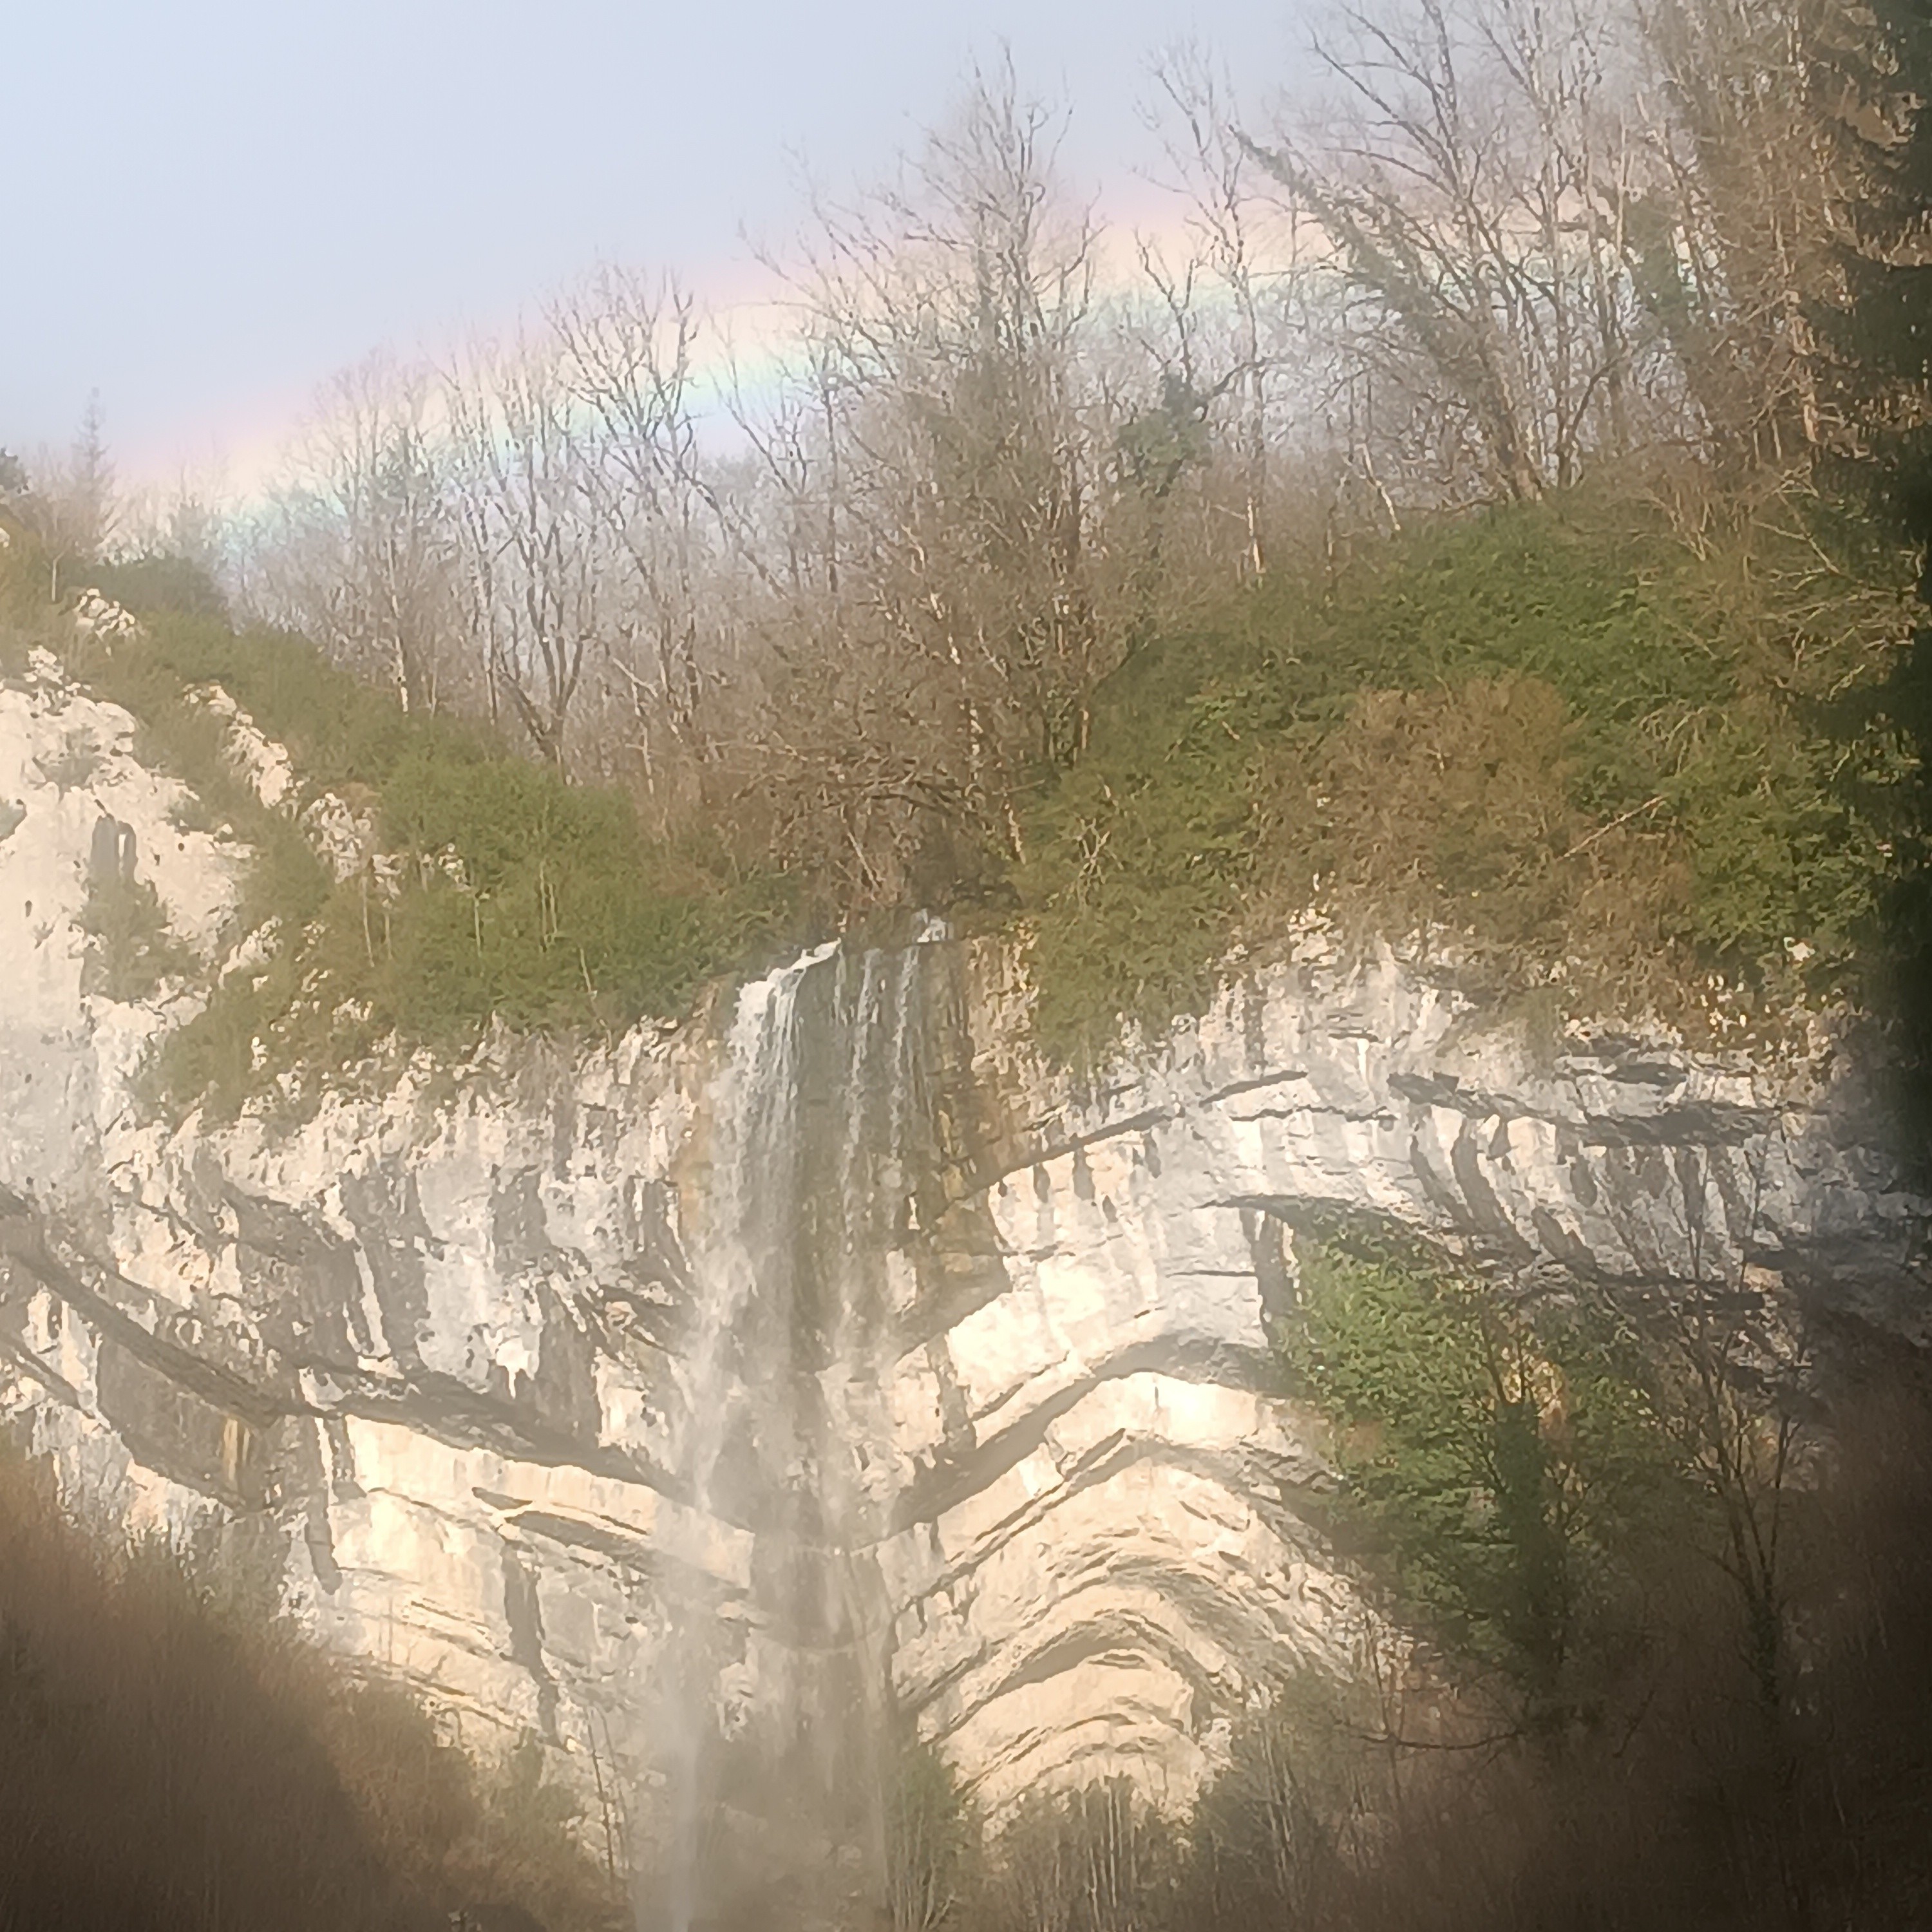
<point x="694" y="1402"/>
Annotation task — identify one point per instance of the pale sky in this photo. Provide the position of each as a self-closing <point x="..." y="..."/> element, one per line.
<point x="213" y="204"/>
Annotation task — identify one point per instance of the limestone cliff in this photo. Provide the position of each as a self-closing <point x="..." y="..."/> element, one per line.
<point x="691" y="1399"/>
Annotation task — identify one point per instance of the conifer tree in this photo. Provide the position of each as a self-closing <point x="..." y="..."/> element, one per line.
<point x="1876" y="72"/>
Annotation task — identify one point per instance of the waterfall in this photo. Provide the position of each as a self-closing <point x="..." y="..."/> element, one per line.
<point x="754" y="1205"/>
<point x="751" y="1198"/>
<point x="818" y="1117"/>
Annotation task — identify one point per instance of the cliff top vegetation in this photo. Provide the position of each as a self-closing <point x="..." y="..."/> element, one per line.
<point x="1497" y="531"/>
<point x="1612" y="769"/>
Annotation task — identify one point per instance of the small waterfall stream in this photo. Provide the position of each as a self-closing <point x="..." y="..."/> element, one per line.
<point x="776" y="1709"/>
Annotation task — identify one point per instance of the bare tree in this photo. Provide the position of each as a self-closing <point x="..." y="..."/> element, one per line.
<point x="627" y="347"/>
<point x="362" y="554"/>
<point x="930" y="1835"/>
<point x="72" y="505"/>
<point x="1728" y="1367"/>
<point x="935" y="480"/>
<point x="533" y="542"/>
<point x="1469" y="184"/>
<point x="1739" y="230"/>
<point x="1216" y="171"/>
<point x="1092" y="1860"/>
<point x="950" y="312"/>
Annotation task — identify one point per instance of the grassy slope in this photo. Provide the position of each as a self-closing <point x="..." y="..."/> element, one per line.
<point x="520" y="897"/>
<point x="1601" y="760"/>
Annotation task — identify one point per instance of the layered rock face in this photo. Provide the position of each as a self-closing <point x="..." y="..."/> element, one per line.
<point x="714" y="1402"/>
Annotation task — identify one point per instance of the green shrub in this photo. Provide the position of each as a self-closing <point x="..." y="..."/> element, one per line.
<point x="153" y="586"/>
<point x="1140" y="859"/>
<point x="1507" y="1472"/>
<point x="133" y="951"/>
<point x="339" y="731"/>
<point x="26" y="617"/>
<point x="506" y="893"/>
<point x="1777" y="847"/>
<point x="1599" y="760"/>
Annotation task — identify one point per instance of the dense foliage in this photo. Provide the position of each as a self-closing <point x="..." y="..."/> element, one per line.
<point x="506" y="893"/>
<point x="1595" y="760"/>
<point x="1875" y="328"/>
<point x="1512" y="1474"/>
<point x="1606" y="768"/>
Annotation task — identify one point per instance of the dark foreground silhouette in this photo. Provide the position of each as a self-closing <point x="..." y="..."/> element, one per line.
<point x="174" y="1759"/>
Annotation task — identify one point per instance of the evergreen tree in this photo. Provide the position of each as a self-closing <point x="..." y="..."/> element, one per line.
<point x="1876" y="73"/>
<point x="1873" y="70"/>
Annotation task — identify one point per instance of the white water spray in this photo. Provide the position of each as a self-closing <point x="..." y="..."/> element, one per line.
<point x="816" y="1113"/>
<point x="752" y="1201"/>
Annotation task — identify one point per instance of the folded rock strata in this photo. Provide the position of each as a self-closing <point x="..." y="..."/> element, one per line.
<point x="709" y="1392"/>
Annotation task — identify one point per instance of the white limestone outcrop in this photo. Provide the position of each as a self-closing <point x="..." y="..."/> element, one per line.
<point x="1010" y="1440"/>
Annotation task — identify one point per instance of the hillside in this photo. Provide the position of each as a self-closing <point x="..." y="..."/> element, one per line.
<point x="1656" y="784"/>
<point x="866" y="1456"/>
<point x="1102" y="1106"/>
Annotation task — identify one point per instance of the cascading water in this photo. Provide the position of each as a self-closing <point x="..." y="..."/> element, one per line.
<point x="775" y="1708"/>
<point x="752" y="1201"/>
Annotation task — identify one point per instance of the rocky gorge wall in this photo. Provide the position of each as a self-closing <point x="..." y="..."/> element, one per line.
<point x="699" y="1400"/>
